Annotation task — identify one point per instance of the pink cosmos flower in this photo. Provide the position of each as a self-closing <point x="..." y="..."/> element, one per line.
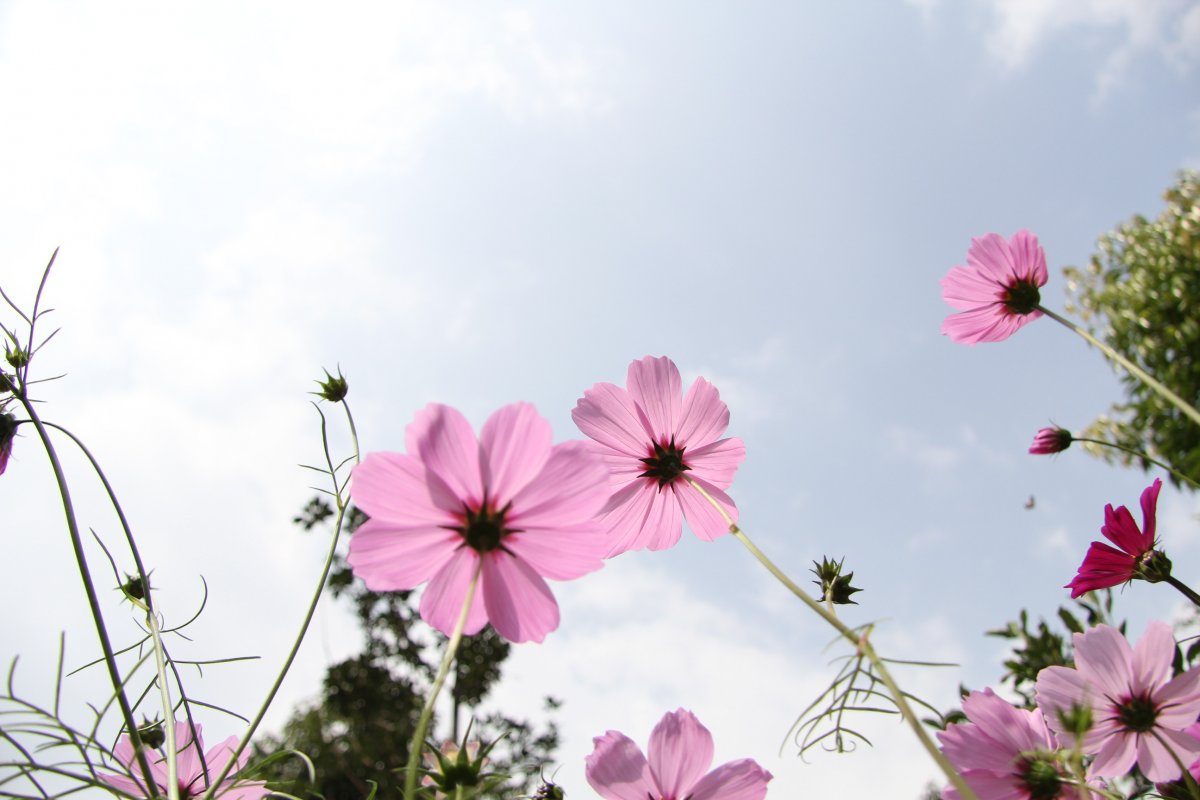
<point x="1048" y="441"/>
<point x="997" y="291"/>
<point x="510" y="499"/>
<point x="655" y="440"/>
<point x="1139" y="712"/>
<point x="681" y="749"/>
<point x="1105" y="566"/>
<point x="192" y="779"/>
<point x="1004" y="753"/>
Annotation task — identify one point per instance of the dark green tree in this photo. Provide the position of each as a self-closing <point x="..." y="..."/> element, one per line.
<point x="359" y="731"/>
<point x="1139" y="295"/>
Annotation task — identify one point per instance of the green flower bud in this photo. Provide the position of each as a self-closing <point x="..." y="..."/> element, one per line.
<point x="333" y="389"/>
<point x="834" y="585"/>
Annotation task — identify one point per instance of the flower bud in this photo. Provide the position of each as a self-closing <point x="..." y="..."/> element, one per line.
<point x="8" y="432"/>
<point x="1153" y="566"/>
<point x="17" y="358"/>
<point x="152" y="734"/>
<point x="333" y="389"/>
<point x="135" y="589"/>
<point x="834" y="585"/>
<point x="1050" y="440"/>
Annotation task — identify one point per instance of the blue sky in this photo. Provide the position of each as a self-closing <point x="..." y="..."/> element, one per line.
<point x="486" y="203"/>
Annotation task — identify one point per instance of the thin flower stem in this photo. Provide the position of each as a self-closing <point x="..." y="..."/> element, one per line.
<point x="164" y="692"/>
<point x="418" y="740"/>
<point x="861" y="643"/>
<point x="1139" y="454"/>
<point x="1132" y="368"/>
<point x="1184" y="590"/>
<point x="312" y="606"/>
<point x="89" y="588"/>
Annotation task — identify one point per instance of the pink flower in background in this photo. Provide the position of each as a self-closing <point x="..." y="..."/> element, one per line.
<point x="1105" y="566"/>
<point x="1048" y="441"/>
<point x="1139" y="712"/>
<point x="1003" y="752"/>
<point x="190" y="774"/>
<point x="681" y="751"/>
<point x="997" y="291"/>
<point x="655" y="439"/>
<point x="510" y="499"/>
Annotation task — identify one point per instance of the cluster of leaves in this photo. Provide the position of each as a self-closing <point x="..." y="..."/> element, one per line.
<point x="358" y="734"/>
<point x="1137" y="295"/>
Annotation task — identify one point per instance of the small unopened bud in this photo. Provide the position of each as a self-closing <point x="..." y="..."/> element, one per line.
<point x="152" y="734"/>
<point x="549" y="791"/>
<point x="834" y="585"/>
<point x="1051" y="440"/>
<point x="333" y="389"/>
<point x="6" y="383"/>
<point x="17" y="358"/>
<point x="134" y="588"/>
<point x="1153" y="566"/>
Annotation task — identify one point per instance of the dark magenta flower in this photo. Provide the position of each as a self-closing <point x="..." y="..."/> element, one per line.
<point x="1048" y="441"/>
<point x="1134" y="556"/>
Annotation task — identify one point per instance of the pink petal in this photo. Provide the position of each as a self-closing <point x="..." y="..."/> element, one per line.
<point x="664" y="520"/>
<point x="1149" y="509"/>
<point x="1103" y="658"/>
<point x="1102" y="568"/>
<point x="607" y="414"/>
<point x="515" y="445"/>
<point x="716" y="462"/>
<point x="638" y="516"/>
<point x="681" y="750"/>
<point x="390" y="559"/>
<point x="993" y="323"/>
<point x="397" y="487"/>
<point x="1029" y="256"/>
<point x="1115" y="757"/>
<point x="561" y="554"/>
<point x="1155" y="759"/>
<point x="189" y="749"/>
<point x="1120" y="529"/>
<point x="443" y="599"/>
<point x="991" y="256"/>
<point x="656" y="388"/>
<point x="519" y="602"/>
<point x="1179" y="700"/>
<point x="704" y="417"/>
<point x="572" y="487"/>
<point x="738" y="780"/>
<point x="989" y="786"/>
<point x="443" y="440"/>
<point x="967" y="288"/>
<point x="1152" y="657"/>
<point x="1058" y="690"/>
<point x="617" y="770"/>
<point x="704" y="520"/>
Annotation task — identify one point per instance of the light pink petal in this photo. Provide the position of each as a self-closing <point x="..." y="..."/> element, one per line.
<point x="519" y="602"/>
<point x="704" y="520"/>
<point x="219" y="756"/>
<point x="1154" y="753"/>
<point x="656" y="388"/>
<point x="681" y="750"/>
<point x="572" y="487"/>
<point x="562" y="553"/>
<point x="664" y="520"/>
<point x="1152" y="657"/>
<point x="1005" y="725"/>
<point x="1029" y="257"/>
<point x="251" y="790"/>
<point x="1149" y="510"/>
<point x="515" y="444"/>
<point x="966" y="288"/>
<point x="443" y="599"/>
<point x="634" y="519"/>
<point x="991" y="256"/>
<point x="443" y="440"/>
<point x="738" y="780"/>
<point x="1115" y="757"/>
<point x="1058" y="690"/>
<point x="617" y="770"/>
<point x="391" y="560"/>
<point x="704" y="418"/>
<point x="189" y="749"/>
<point x="993" y="323"/>
<point x="716" y="462"/>
<point x="1179" y="700"/>
<point x="1103" y="658"/>
<point x="968" y="746"/>
<point x="396" y="487"/>
<point x="989" y="786"/>
<point x="606" y="413"/>
<point x="126" y="785"/>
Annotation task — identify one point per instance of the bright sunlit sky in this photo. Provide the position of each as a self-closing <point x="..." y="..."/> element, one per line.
<point x="482" y="203"/>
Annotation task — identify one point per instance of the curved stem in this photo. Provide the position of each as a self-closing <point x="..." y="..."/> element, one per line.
<point x="1184" y="590"/>
<point x="312" y="606"/>
<point x="861" y="643"/>
<point x="1139" y="454"/>
<point x="164" y="692"/>
<point x="89" y="588"/>
<point x="1133" y="369"/>
<point x="418" y="740"/>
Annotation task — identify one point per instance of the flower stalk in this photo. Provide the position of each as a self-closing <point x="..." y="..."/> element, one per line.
<point x="861" y="644"/>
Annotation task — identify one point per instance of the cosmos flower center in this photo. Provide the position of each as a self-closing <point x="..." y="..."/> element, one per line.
<point x="665" y="463"/>
<point x="1137" y="714"/>
<point x="1040" y="776"/>
<point x="484" y="528"/>
<point x="1022" y="296"/>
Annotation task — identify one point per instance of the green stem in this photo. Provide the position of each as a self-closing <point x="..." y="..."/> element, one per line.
<point x="1184" y="589"/>
<point x="342" y="505"/>
<point x="164" y="692"/>
<point x="1139" y="454"/>
<point x="861" y="644"/>
<point x="1132" y="368"/>
<point x="89" y="588"/>
<point x="418" y="740"/>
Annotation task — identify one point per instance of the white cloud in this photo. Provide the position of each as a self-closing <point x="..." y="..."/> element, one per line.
<point x="914" y="446"/>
